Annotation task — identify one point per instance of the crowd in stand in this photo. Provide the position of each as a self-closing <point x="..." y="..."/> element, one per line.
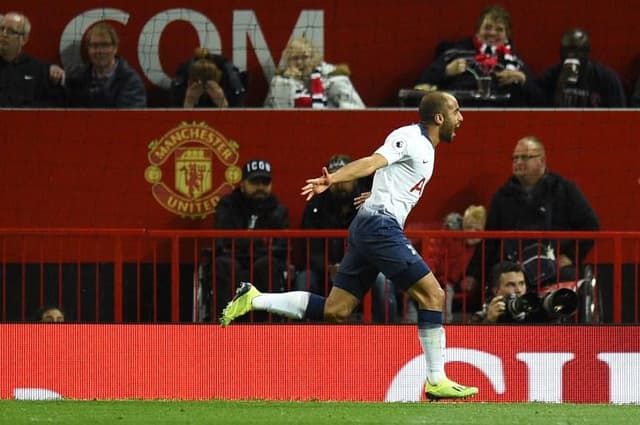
<point x="576" y="81"/>
<point x="482" y="70"/>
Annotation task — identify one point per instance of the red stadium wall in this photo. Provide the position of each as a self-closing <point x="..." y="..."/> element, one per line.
<point x="379" y="363"/>
<point x="119" y="169"/>
<point x="386" y="46"/>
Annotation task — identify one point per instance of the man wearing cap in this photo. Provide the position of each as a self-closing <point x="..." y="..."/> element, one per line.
<point x="334" y="209"/>
<point x="250" y="206"/>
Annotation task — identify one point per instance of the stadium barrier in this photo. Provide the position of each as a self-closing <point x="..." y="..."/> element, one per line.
<point x="580" y="364"/>
<point x="142" y="276"/>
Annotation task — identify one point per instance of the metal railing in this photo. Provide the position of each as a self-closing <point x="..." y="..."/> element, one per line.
<point x="143" y="275"/>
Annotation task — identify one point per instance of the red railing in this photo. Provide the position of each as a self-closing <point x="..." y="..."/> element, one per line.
<point x="142" y="275"/>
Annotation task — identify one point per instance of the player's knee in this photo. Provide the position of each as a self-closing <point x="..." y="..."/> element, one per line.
<point x="431" y="295"/>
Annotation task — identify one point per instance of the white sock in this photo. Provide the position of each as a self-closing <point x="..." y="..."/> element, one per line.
<point x="288" y="304"/>
<point x="433" y="341"/>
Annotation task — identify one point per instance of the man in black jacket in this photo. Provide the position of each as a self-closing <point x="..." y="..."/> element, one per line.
<point x="489" y="53"/>
<point x="577" y="81"/>
<point x="108" y="81"/>
<point x="251" y="206"/>
<point x="536" y="199"/>
<point x="25" y="82"/>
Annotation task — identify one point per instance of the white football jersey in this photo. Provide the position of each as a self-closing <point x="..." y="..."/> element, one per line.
<point x="398" y="186"/>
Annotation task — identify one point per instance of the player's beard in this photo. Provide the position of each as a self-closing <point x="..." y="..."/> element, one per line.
<point x="446" y="131"/>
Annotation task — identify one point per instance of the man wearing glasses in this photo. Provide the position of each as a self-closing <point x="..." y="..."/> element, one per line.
<point x="107" y="81"/>
<point x="536" y="199"/>
<point x="25" y="81"/>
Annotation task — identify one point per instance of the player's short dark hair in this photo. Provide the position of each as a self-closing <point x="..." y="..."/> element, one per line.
<point x="432" y="103"/>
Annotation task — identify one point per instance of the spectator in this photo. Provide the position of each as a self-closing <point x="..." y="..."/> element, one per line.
<point x="449" y="257"/>
<point x="511" y="302"/>
<point x="334" y="209"/>
<point x="537" y="199"/>
<point x="579" y="82"/>
<point x="107" y="81"/>
<point x="24" y="80"/>
<point x="208" y="81"/>
<point x="51" y="315"/>
<point x="309" y="82"/>
<point x="489" y="52"/>
<point x="252" y="206"/>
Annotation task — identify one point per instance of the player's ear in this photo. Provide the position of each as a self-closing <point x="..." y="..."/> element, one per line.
<point x="438" y="118"/>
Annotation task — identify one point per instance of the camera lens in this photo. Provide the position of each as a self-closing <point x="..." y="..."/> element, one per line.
<point x="561" y="302"/>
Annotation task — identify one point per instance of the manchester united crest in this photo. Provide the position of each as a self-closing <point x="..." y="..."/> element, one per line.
<point x="200" y="165"/>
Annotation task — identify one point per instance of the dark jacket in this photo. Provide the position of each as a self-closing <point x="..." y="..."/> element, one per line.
<point x="24" y="83"/>
<point x="527" y="94"/>
<point x="234" y="211"/>
<point x="554" y="204"/>
<point x="322" y="212"/>
<point x="124" y="89"/>
<point x="233" y="84"/>
<point x="597" y="87"/>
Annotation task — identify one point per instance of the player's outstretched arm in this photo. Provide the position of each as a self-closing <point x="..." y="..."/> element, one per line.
<point x="359" y="168"/>
<point x="352" y="171"/>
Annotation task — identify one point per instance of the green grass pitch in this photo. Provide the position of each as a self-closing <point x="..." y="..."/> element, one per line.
<point x="70" y="412"/>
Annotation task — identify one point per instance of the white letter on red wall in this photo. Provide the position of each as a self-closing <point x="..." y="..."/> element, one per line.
<point x="245" y="25"/>
<point x="624" y="375"/>
<point x="545" y="375"/>
<point x="149" y="42"/>
<point x="408" y="384"/>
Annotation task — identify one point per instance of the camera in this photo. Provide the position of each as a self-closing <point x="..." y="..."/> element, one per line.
<point x="519" y="307"/>
<point x="571" y="69"/>
<point x="560" y="303"/>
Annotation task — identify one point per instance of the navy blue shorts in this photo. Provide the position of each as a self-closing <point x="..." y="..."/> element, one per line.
<point x="377" y="243"/>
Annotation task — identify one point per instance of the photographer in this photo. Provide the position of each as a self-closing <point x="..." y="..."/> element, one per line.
<point x="512" y="303"/>
<point x="578" y="81"/>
